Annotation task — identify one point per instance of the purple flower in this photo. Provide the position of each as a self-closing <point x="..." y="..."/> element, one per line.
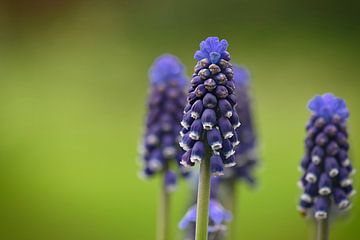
<point x="160" y="148"/>
<point x="213" y="50"/>
<point x="245" y="152"/>
<point x="167" y="68"/>
<point x="217" y="214"/>
<point x="326" y="168"/>
<point x="209" y="122"/>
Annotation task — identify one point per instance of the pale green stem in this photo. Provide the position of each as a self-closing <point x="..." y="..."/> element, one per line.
<point x="230" y="203"/>
<point x="164" y="211"/>
<point x="323" y="229"/>
<point x="203" y="199"/>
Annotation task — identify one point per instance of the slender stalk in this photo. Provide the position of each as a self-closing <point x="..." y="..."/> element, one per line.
<point x="230" y="202"/>
<point x="203" y="199"/>
<point x="323" y="229"/>
<point x="164" y="211"/>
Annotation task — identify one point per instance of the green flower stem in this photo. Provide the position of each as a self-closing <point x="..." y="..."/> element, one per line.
<point x="203" y="199"/>
<point x="164" y="211"/>
<point x="323" y="229"/>
<point x="230" y="203"/>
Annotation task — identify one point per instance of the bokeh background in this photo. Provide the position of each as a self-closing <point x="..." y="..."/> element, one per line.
<point x="73" y="86"/>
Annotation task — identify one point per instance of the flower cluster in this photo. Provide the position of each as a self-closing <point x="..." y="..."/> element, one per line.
<point x="166" y="100"/>
<point x="245" y="153"/>
<point x="209" y="118"/>
<point x="217" y="214"/>
<point x="326" y="166"/>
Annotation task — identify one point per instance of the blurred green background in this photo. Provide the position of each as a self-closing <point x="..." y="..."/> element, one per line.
<point x="73" y="86"/>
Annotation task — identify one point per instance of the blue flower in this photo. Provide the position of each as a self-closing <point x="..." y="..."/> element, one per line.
<point x="160" y="148"/>
<point x="328" y="106"/>
<point x="217" y="216"/>
<point x="213" y="50"/>
<point x="245" y="152"/>
<point x="167" y="68"/>
<point x="326" y="167"/>
<point x="209" y="120"/>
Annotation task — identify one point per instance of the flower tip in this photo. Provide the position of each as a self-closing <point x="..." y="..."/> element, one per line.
<point x="212" y="49"/>
<point x="167" y="68"/>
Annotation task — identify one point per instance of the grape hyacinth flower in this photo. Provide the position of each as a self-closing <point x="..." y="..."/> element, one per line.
<point x="327" y="170"/>
<point x="160" y="149"/>
<point x="245" y="153"/>
<point x="210" y="120"/>
<point x="217" y="215"/>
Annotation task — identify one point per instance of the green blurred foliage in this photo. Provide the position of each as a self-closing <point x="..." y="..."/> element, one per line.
<point x="73" y="86"/>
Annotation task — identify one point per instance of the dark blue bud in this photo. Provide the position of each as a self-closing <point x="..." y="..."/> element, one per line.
<point x="208" y="119"/>
<point x="191" y="97"/>
<point x="214" y="139"/>
<point x="221" y="92"/>
<point x="322" y="206"/>
<point x="343" y="177"/>
<point x="234" y="120"/>
<point x="349" y="191"/>
<point x="183" y="131"/>
<point x="200" y="90"/>
<point x="187" y="120"/>
<point x="170" y="181"/>
<point x="313" y="173"/>
<point x="230" y="85"/>
<point x="341" y="139"/>
<point x="330" y="130"/>
<point x="303" y="205"/>
<point x="214" y="69"/>
<point x="305" y="163"/>
<point x="309" y="143"/>
<point x="234" y="140"/>
<point x="225" y="55"/>
<point x="224" y="64"/>
<point x="220" y="79"/>
<point x="332" y="149"/>
<point x="343" y="158"/>
<point x="331" y="166"/>
<point x="156" y="160"/>
<point x="204" y="62"/>
<point x="340" y="199"/>
<point x="204" y="73"/>
<point x="227" y="148"/>
<point x="209" y="101"/>
<point x="232" y="99"/>
<point x="311" y="189"/>
<point x="210" y="84"/>
<point x="321" y="139"/>
<point x="225" y="108"/>
<point x="196" y="81"/>
<point x="225" y="127"/>
<point x="319" y="123"/>
<point x="187" y="142"/>
<point x="185" y="160"/>
<point x="198" y="152"/>
<point x="229" y="73"/>
<point x="187" y="108"/>
<point x="229" y="162"/>
<point x="197" y="109"/>
<point x="325" y="184"/>
<point x="217" y="166"/>
<point x="317" y="154"/>
<point x="147" y="172"/>
<point x="196" y="130"/>
<point x="311" y="132"/>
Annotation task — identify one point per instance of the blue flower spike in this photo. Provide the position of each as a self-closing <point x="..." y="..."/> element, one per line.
<point x="326" y="167"/>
